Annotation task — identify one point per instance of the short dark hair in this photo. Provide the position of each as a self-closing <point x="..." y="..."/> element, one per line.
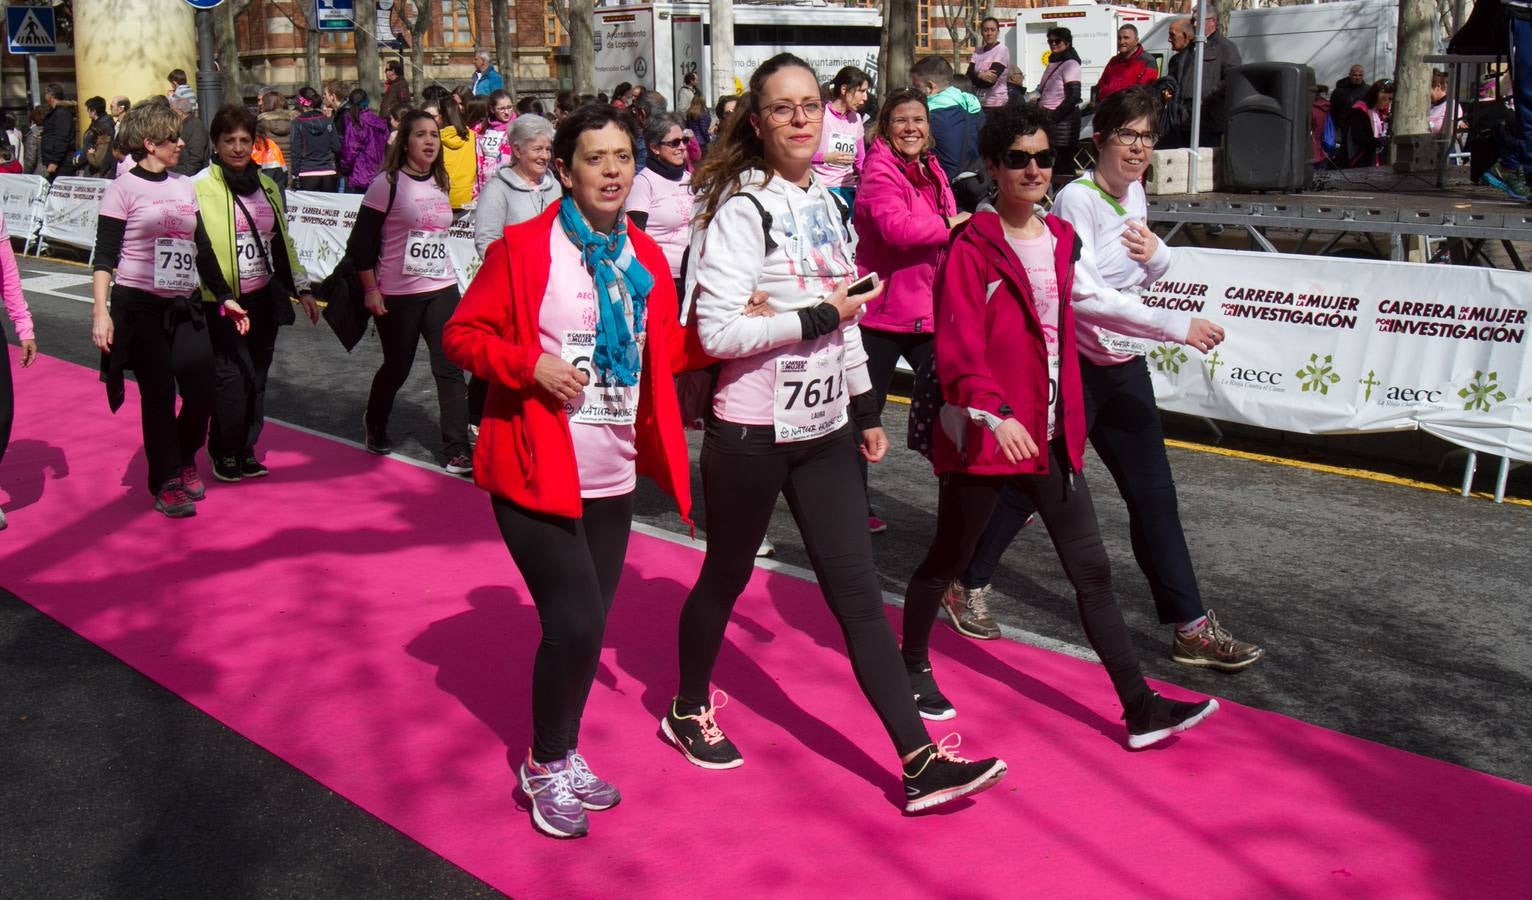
<point x="96" y="106"/>
<point x="622" y="89"/>
<point x="566" y="101"/>
<point x="718" y="113"/>
<point x="591" y="117"/>
<point x="56" y="91"/>
<point x="395" y="66"/>
<point x="936" y="68"/>
<point x="1004" y="124"/>
<point x="899" y="98"/>
<point x="1379" y="88"/>
<point x="1129" y="26"/>
<point x="1124" y="106"/>
<point x="988" y="19"/>
<point x="527" y="105"/>
<point x="231" y="118"/>
<point x="1059" y="33"/>
<point x="176" y="77"/>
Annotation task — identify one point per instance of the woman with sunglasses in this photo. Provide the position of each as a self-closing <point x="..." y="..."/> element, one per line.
<point x="1058" y="92"/>
<point x="661" y="202"/>
<point x="150" y="257"/>
<point x="1014" y="415"/>
<point x="1120" y="257"/>
<point x="792" y="408"/>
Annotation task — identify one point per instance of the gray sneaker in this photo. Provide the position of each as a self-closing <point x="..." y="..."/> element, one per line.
<point x="2" y="520"/>
<point x="968" y="611"/>
<point x="594" y="792"/>
<point x="556" y="810"/>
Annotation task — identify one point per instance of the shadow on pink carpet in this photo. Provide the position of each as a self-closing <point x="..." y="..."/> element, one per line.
<point x="360" y="618"/>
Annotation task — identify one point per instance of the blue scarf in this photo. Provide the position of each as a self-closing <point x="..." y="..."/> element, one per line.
<point x="620" y="280"/>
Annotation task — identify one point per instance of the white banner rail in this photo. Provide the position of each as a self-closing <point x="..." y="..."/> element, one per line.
<point x="21" y="199"/>
<point x="71" y="210"/>
<point x="321" y="223"/>
<point x="1322" y="345"/>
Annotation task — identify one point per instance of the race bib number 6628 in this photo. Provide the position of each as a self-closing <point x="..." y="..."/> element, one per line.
<point x="425" y="254"/>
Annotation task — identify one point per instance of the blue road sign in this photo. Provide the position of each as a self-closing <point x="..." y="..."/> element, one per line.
<point x="336" y="15"/>
<point x="203" y="4"/>
<point x="31" y="29"/>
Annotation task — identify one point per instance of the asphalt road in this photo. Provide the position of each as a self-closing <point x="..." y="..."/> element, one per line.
<point x="1388" y="612"/>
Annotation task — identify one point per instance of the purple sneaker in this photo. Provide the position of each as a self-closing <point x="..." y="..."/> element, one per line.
<point x="594" y="792"/>
<point x="556" y="811"/>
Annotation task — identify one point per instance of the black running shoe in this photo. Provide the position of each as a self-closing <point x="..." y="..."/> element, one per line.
<point x="226" y="468"/>
<point x="1158" y="718"/>
<point x="939" y="775"/>
<point x="928" y="698"/>
<point x="699" y="738"/>
<point x="376" y="441"/>
<point x="250" y="467"/>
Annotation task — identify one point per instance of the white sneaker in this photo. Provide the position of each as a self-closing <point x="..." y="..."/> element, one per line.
<point x="766" y="549"/>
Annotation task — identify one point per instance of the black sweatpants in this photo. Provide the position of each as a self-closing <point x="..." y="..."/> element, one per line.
<point x="964" y="504"/>
<point x="410" y="318"/>
<point x="571" y="567"/>
<point x="884" y="348"/>
<point x="1125" y="430"/>
<point x="240" y="365"/>
<point x="7" y="396"/>
<point x="743" y="471"/>
<point x="170" y="353"/>
<point x="324" y="183"/>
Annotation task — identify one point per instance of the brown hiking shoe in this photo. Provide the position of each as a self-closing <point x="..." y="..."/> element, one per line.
<point x="968" y="611"/>
<point x="1212" y="647"/>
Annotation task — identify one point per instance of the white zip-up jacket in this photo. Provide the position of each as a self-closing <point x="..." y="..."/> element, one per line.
<point x="815" y="249"/>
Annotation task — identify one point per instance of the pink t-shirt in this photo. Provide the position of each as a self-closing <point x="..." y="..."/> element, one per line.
<point x="840" y="134"/>
<point x="254" y="266"/>
<point x="494" y="149"/>
<point x="1036" y="255"/>
<point x="15" y="300"/>
<point x="413" y="259"/>
<point x="998" y="93"/>
<point x="601" y="419"/>
<point x="157" y="213"/>
<point x="1050" y="90"/>
<point x="669" y="205"/>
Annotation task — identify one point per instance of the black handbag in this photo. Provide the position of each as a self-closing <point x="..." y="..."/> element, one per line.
<point x="343" y="294"/>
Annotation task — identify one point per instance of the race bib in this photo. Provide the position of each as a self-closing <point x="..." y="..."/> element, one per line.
<point x="599" y="404"/>
<point x="489" y="143"/>
<point x="810" y="398"/>
<point x="1116" y="343"/>
<point x="1053" y="393"/>
<point x="247" y="253"/>
<point x="425" y="254"/>
<point x="843" y="143"/>
<point x="175" y="265"/>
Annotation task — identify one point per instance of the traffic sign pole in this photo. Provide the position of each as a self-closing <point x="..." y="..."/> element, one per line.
<point x="209" y="81"/>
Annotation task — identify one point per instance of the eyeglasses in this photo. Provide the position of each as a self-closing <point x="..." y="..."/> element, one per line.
<point x="782" y="113"/>
<point x="1020" y="159"/>
<point x="673" y="143"/>
<point x="500" y="109"/>
<point x="1127" y="137"/>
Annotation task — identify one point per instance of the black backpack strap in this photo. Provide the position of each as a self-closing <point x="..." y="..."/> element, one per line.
<point x="771" y="243"/>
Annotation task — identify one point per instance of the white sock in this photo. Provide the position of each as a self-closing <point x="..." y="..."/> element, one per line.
<point x="1187" y="629"/>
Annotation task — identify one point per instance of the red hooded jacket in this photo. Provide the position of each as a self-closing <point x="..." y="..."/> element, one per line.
<point x="1121" y="74"/>
<point x="525" y="453"/>
<point x="990" y="355"/>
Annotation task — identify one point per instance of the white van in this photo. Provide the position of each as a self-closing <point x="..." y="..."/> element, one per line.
<point x="1093" y="29"/>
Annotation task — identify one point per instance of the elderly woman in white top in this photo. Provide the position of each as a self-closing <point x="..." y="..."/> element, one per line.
<point x="521" y="189"/>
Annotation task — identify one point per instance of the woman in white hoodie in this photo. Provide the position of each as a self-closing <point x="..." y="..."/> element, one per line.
<point x="793" y="405"/>
<point x="522" y="189"/>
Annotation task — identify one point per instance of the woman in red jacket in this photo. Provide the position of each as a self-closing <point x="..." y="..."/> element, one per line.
<point x="1014" y="411"/>
<point x="572" y="321"/>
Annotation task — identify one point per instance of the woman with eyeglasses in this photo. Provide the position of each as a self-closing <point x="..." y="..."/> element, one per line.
<point x="792" y="408"/>
<point x="492" y="136"/>
<point x="1059" y="93"/>
<point x="661" y="201"/>
<point x="842" y="139"/>
<point x="1014" y="415"/>
<point x="988" y="66"/>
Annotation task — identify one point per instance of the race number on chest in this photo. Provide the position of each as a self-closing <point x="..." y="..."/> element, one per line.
<point x="810" y="398"/>
<point x="425" y="254"/>
<point x="599" y="404"/>
<point x="252" y="264"/>
<point x="175" y="265"/>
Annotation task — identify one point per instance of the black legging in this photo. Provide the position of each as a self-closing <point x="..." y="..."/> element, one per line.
<point x="963" y="508"/>
<point x="169" y="353"/>
<point x="323" y="183"/>
<point x="743" y="471"/>
<point x="884" y="348"/>
<point x="410" y="318"/>
<point x="241" y="364"/>
<point x="571" y="567"/>
<point x="7" y="396"/>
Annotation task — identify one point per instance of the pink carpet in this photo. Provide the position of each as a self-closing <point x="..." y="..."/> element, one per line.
<point x="360" y="618"/>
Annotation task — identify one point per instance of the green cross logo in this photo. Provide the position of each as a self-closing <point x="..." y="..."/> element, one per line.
<point x="1370" y="382"/>
<point x="1483" y="392"/>
<point x="1212" y="363"/>
<point x="1168" y="358"/>
<point x="1319" y="374"/>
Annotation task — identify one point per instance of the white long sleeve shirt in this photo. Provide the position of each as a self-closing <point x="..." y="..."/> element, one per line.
<point x="1108" y="311"/>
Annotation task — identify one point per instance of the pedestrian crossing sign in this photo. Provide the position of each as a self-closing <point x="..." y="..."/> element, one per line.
<point x="31" y="29"/>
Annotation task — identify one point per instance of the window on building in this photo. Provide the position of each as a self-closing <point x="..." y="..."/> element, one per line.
<point x="331" y="40"/>
<point x="553" y="29"/>
<point x="923" y="25"/>
<point x="457" y="24"/>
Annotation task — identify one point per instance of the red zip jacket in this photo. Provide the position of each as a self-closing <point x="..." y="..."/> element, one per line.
<point x="525" y="453"/>
<point x="990" y="354"/>
<point x="1121" y="74"/>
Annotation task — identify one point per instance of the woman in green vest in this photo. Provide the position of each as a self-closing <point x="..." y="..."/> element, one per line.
<point x="240" y="214"/>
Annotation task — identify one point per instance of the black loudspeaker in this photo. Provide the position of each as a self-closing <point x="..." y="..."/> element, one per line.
<point x="1267" y="146"/>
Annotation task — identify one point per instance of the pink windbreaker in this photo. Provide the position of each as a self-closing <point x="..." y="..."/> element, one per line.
<point x="901" y="235"/>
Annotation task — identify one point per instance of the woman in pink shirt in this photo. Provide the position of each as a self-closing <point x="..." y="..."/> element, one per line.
<point x="493" y="137"/>
<point x="987" y="67"/>
<point x="661" y="200"/>
<point x="21" y="317"/>
<point x="842" y="141"/>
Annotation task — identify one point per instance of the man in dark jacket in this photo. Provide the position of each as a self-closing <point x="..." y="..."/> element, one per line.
<point x="199" y="147"/>
<point x="96" y="145"/>
<point x="397" y="94"/>
<point x="955" y="114"/>
<point x="1219" y="60"/>
<point x="58" y="132"/>
<point x="1347" y="92"/>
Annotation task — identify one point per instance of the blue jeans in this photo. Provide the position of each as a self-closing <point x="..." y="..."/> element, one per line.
<point x="1520" y="156"/>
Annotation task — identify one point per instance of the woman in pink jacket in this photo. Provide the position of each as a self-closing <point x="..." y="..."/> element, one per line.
<point x="21" y="317"/>
<point x="904" y="213"/>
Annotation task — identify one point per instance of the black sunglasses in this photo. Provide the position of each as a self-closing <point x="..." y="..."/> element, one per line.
<point x="1019" y="159"/>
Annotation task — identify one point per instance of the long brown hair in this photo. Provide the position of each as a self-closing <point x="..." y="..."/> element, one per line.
<point x="399" y="152"/>
<point x="737" y="149"/>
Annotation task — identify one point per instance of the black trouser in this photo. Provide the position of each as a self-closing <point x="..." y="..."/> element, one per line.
<point x="325" y="183"/>
<point x="743" y="471"/>
<point x="571" y="567"/>
<point x="7" y="397"/>
<point x="1125" y="429"/>
<point x="964" y="504"/>
<point x="478" y="395"/>
<point x="240" y="365"/>
<point x="884" y="348"/>
<point x="410" y="318"/>
<point x="169" y="353"/>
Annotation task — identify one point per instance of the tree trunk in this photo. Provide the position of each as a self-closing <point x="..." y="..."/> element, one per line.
<point x="313" y="69"/>
<point x="368" y="69"/>
<point x="888" y="9"/>
<point x="420" y="29"/>
<point x="582" y="46"/>
<point x="721" y="46"/>
<point x="899" y="23"/>
<point x="228" y="52"/>
<point x="1412" y="78"/>
<point x="505" y="59"/>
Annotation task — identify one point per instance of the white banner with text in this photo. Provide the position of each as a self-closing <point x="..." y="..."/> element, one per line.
<point x="21" y="200"/>
<point x="321" y="223"/>
<point x="71" y="210"/>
